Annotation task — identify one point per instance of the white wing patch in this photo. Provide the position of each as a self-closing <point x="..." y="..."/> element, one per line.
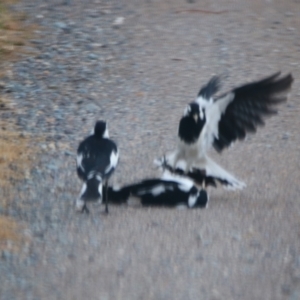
<point x="100" y="189"/>
<point x="83" y="189"/>
<point x="213" y="112"/>
<point x="185" y="184"/>
<point x="106" y="133"/>
<point x="192" y="200"/>
<point x="157" y="190"/>
<point x="113" y="161"/>
<point x="79" y="159"/>
<point x="186" y="110"/>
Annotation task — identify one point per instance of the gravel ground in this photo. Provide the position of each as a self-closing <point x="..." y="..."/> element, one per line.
<point x="138" y="75"/>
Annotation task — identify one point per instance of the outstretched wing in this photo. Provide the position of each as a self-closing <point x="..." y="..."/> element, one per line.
<point x="233" y="115"/>
<point x="204" y="171"/>
<point x="211" y="88"/>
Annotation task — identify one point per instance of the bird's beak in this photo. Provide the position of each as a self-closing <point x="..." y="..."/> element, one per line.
<point x="195" y="116"/>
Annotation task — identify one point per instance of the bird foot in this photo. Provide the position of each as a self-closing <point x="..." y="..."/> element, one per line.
<point x="105" y="212"/>
<point x="85" y="209"/>
<point x="81" y="206"/>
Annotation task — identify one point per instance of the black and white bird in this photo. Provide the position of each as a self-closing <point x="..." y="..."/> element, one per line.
<point x="218" y="121"/>
<point x="170" y="190"/>
<point x="97" y="158"/>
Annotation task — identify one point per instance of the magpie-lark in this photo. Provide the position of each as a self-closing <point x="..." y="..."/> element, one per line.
<point x="218" y="121"/>
<point x="97" y="158"/>
<point x="169" y="190"/>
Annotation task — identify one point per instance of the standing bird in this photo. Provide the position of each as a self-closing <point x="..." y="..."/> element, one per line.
<point x="97" y="158"/>
<point x="217" y="122"/>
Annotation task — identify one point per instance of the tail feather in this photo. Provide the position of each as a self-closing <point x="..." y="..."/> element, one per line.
<point x="214" y="170"/>
<point x="92" y="189"/>
<point x="203" y="171"/>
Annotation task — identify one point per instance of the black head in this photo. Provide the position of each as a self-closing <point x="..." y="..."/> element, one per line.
<point x="191" y="123"/>
<point x="100" y="129"/>
<point x="202" y="199"/>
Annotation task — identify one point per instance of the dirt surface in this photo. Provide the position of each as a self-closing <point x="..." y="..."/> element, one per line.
<point x="139" y="75"/>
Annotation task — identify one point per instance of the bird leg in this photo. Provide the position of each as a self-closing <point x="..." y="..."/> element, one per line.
<point x="203" y="192"/>
<point x="168" y="167"/>
<point x="85" y="209"/>
<point x="106" y="196"/>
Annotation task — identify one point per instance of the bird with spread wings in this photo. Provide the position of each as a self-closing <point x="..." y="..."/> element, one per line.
<point x="217" y="121"/>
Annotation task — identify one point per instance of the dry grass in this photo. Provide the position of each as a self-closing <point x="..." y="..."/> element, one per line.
<point x="17" y="151"/>
<point x="13" y="32"/>
<point x="15" y="164"/>
<point x="10" y="236"/>
<point x="17" y="154"/>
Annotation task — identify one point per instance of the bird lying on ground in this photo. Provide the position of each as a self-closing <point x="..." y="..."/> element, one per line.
<point x="169" y="190"/>
<point x="218" y="121"/>
<point x="97" y="158"/>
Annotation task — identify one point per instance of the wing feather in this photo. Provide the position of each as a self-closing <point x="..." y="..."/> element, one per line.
<point x="231" y="119"/>
<point x="211" y="88"/>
